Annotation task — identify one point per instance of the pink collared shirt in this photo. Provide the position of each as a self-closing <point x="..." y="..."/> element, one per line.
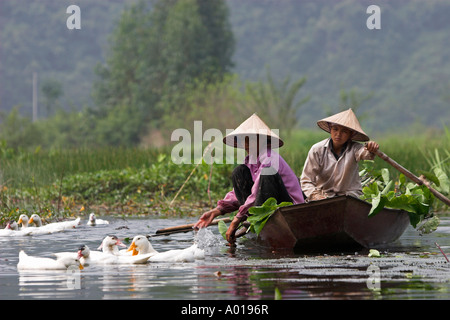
<point x="274" y="160"/>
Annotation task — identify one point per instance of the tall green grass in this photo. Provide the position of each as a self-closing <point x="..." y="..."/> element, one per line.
<point x="413" y="152"/>
<point x="46" y="179"/>
<point x="20" y="169"/>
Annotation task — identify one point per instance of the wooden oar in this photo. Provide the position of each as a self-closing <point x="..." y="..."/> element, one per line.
<point x="186" y="227"/>
<point x="413" y="177"/>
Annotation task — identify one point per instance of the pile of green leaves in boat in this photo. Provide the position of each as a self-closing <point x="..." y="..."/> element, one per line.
<point x="258" y="216"/>
<point x="381" y="191"/>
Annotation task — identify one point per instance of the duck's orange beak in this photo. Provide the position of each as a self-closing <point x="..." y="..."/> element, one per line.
<point x="31" y="220"/>
<point x="20" y="221"/>
<point x="133" y="247"/>
<point x="81" y="267"/>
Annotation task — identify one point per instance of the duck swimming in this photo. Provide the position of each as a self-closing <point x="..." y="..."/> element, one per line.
<point x="12" y="228"/>
<point x="23" y="219"/>
<point x="93" y="221"/>
<point x="27" y="262"/>
<point x="54" y="226"/>
<point x="141" y="245"/>
<point x="112" y="255"/>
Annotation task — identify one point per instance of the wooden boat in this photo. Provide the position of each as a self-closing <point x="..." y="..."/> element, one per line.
<point x="330" y="225"/>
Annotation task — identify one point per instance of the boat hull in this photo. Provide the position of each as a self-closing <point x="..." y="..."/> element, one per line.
<point x="333" y="224"/>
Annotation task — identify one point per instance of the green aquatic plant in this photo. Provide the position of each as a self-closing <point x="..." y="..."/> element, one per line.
<point x="381" y="191"/>
<point x="258" y="216"/>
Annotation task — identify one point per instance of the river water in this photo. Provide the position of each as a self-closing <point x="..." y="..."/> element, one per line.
<point x="411" y="268"/>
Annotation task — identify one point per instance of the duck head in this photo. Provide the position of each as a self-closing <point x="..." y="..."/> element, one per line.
<point x="36" y="220"/>
<point x="110" y="244"/>
<point x="23" y="219"/>
<point x="141" y="245"/>
<point x="12" y="225"/>
<point x="92" y="219"/>
<point x="83" y="252"/>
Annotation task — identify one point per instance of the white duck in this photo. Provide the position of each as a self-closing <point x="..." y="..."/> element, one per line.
<point x="112" y="255"/>
<point x="12" y="225"/>
<point x="179" y="255"/>
<point x="23" y="219"/>
<point x="84" y="254"/>
<point x="141" y="245"/>
<point x="110" y="245"/>
<point x="10" y="229"/>
<point x="26" y="229"/>
<point x="36" y="220"/>
<point x="54" y="226"/>
<point x="93" y="221"/>
<point x="27" y="262"/>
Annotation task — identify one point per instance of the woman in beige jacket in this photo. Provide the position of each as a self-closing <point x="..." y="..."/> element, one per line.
<point x="331" y="168"/>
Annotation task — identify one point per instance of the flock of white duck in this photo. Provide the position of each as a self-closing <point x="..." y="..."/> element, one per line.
<point x="12" y="227"/>
<point x="140" y="251"/>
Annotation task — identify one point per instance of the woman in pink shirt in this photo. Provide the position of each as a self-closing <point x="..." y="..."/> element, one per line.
<point x="264" y="174"/>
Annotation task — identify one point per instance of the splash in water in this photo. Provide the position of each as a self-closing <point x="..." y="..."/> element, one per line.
<point x="207" y="240"/>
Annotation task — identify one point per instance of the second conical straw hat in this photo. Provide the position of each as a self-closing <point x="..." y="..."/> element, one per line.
<point x="252" y="127"/>
<point x="346" y="119"/>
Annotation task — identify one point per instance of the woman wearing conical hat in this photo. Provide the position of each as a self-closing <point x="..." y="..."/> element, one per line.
<point x="264" y="174"/>
<point x="331" y="168"/>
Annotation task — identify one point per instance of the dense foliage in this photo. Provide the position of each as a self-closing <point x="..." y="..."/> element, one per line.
<point x="155" y="55"/>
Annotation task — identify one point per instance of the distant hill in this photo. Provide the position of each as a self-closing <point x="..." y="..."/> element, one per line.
<point x="34" y="38"/>
<point x="405" y="64"/>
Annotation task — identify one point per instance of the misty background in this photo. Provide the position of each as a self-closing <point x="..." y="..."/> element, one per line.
<point x="397" y="77"/>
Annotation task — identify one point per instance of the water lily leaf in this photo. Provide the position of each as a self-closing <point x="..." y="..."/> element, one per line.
<point x="378" y="203"/>
<point x="385" y="175"/>
<point x="223" y="229"/>
<point x="444" y="181"/>
<point x="277" y="294"/>
<point x="374" y="253"/>
<point x="388" y="187"/>
<point x="430" y="225"/>
<point x="261" y="214"/>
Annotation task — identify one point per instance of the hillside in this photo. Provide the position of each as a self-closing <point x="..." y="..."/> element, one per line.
<point x="405" y="64"/>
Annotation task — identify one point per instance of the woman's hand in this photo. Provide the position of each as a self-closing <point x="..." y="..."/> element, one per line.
<point x="206" y="218"/>
<point x="231" y="232"/>
<point x="372" y="146"/>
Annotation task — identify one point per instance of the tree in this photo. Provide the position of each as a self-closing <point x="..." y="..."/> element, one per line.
<point x="18" y="131"/>
<point x="156" y="52"/>
<point x="350" y="99"/>
<point x="277" y="102"/>
<point x="52" y="91"/>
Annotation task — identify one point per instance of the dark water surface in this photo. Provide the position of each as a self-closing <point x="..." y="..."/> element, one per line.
<point x="411" y="268"/>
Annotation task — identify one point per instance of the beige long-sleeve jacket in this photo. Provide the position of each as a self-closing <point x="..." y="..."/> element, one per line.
<point x="323" y="173"/>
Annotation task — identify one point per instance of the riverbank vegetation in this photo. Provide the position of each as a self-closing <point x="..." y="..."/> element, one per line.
<point x="137" y="181"/>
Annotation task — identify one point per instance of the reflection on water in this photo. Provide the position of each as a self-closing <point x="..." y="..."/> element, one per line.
<point x="411" y="268"/>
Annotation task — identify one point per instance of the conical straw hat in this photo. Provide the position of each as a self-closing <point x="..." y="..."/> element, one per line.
<point x="252" y="127"/>
<point x="346" y="119"/>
